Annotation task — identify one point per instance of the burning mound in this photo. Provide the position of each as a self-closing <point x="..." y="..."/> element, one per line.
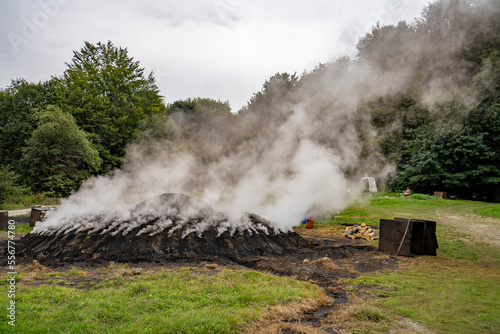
<point x="169" y="226"/>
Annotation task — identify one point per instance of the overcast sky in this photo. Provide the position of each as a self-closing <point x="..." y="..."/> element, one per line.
<point x="221" y="49"/>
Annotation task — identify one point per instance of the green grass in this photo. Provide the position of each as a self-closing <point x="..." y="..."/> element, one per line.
<point x="489" y="211"/>
<point x="28" y="200"/>
<point x="165" y="302"/>
<point x="355" y="214"/>
<point x="374" y="207"/>
<point x="455" y="292"/>
<point x="449" y="298"/>
<point x="368" y="313"/>
<point x="20" y="228"/>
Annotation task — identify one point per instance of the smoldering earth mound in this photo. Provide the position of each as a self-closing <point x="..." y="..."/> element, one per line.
<point x="166" y="227"/>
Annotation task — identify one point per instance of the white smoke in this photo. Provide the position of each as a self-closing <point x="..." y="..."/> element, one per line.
<point x="301" y="153"/>
<point x="114" y="194"/>
<point x="293" y="163"/>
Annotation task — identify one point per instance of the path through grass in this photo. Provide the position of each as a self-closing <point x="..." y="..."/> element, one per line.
<point x="458" y="290"/>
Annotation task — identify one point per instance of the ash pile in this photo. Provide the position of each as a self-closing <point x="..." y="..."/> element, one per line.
<point x="166" y="227"/>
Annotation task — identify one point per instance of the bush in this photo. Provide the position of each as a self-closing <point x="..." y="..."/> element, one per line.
<point x="421" y="197"/>
<point x="8" y="184"/>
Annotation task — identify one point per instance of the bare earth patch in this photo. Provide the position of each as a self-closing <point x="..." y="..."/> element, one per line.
<point x="479" y="229"/>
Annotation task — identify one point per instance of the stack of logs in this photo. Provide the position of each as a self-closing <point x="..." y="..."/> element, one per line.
<point x="360" y="232"/>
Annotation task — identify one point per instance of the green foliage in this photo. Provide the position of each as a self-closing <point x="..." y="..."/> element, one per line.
<point x="275" y="90"/>
<point x="203" y="107"/>
<point x="450" y="145"/>
<point x="441" y="128"/>
<point x="184" y="120"/>
<point x="458" y="158"/>
<point x="420" y="197"/>
<point x="17" y="105"/>
<point x="153" y="128"/>
<point x="387" y="46"/>
<point x="9" y="184"/>
<point x="58" y="156"/>
<point x="109" y="95"/>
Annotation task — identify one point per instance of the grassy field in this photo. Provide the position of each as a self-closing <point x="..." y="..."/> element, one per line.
<point x="458" y="291"/>
<point x="455" y="292"/>
<point x="183" y="301"/>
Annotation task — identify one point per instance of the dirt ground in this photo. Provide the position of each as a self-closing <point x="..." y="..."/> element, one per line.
<point x="476" y="227"/>
<point x="327" y="260"/>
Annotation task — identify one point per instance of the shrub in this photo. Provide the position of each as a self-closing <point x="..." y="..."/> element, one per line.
<point x="8" y="184"/>
<point x="421" y="197"/>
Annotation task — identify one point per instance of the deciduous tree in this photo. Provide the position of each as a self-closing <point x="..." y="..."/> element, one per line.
<point x="109" y="94"/>
<point x="58" y="156"/>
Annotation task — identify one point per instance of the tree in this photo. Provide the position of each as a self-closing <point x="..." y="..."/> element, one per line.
<point x="206" y="128"/>
<point x="452" y="157"/>
<point x="387" y="46"/>
<point x="199" y="119"/>
<point x="108" y="93"/>
<point x="17" y="104"/>
<point x="274" y="91"/>
<point x="442" y="128"/>
<point x="188" y="117"/>
<point x="58" y="156"/>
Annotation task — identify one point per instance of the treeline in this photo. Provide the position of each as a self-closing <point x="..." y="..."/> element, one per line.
<point x="440" y="125"/>
<point x="449" y="112"/>
<point x="55" y="134"/>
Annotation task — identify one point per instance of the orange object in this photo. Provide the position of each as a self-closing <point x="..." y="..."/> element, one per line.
<point x="309" y="223"/>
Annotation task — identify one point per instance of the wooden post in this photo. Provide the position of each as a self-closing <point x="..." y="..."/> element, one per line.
<point x="36" y="214"/>
<point x="4" y="220"/>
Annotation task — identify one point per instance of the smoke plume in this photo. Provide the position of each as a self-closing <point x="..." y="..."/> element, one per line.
<point x="300" y="147"/>
<point x="298" y="154"/>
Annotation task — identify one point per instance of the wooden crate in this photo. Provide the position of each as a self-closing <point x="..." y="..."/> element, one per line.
<point x="441" y="194"/>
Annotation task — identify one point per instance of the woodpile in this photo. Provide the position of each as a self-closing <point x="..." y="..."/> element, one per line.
<point x="360" y="232"/>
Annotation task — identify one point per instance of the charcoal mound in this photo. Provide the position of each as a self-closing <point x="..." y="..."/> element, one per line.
<point x="166" y="227"/>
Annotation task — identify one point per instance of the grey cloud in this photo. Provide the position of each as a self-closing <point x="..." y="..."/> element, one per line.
<point x="178" y="13"/>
